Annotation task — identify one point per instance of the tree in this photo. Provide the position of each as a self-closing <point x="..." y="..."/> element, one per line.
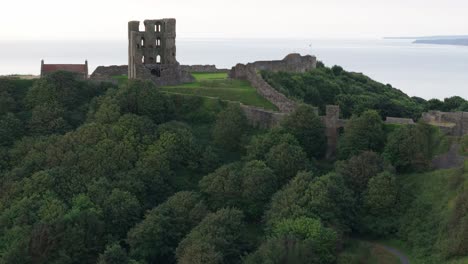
<point x="114" y="254"/>
<point x="325" y="198"/>
<point x="11" y="128"/>
<point x="323" y="239"/>
<point x="259" y="183"/>
<point x="284" y="250"/>
<point x="408" y="148"/>
<point x="380" y="202"/>
<point x="286" y="160"/>
<point x="358" y="170"/>
<point x="248" y="186"/>
<point x="309" y="130"/>
<point x="108" y="112"/>
<point x="143" y="98"/>
<point x="156" y="237"/>
<point x="7" y="102"/>
<point x="223" y="187"/>
<point x="222" y="233"/>
<point x="229" y="129"/>
<point x="121" y="211"/>
<point x="48" y="119"/>
<point x="364" y="132"/>
<point x="260" y="145"/>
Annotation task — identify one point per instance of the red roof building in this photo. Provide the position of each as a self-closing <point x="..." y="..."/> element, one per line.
<point x="80" y="69"/>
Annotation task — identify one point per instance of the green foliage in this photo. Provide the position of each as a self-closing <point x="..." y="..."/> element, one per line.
<point x="364" y="132"/>
<point x="286" y="161"/>
<point x="261" y="144"/>
<point x="309" y="130"/>
<point x="285" y="250"/>
<point x="323" y="239"/>
<point x="410" y="148"/>
<point x="433" y="223"/>
<point x="230" y="127"/>
<point x="156" y="237"/>
<point x="114" y="254"/>
<point x="121" y="211"/>
<point x="248" y="186"/>
<point x="358" y="170"/>
<point x="11" y="128"/>
<point x="219" y="238"/>
<point x="353" y="92"/>
<point x="325" y="198"/>
<point x="380" y="202"/>
<point x="143" y="98"/>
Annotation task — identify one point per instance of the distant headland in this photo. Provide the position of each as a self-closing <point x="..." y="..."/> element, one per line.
<point x="457" y="40"/>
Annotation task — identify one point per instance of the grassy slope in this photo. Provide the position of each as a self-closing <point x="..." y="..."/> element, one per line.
<point x="427" y="233"/>
<point x="217" y="85"/>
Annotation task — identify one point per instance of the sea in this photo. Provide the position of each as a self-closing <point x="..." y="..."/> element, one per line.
<point x="423" y="70"/>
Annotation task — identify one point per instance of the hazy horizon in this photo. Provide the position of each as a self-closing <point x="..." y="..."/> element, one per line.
<point x="107" y="20"/>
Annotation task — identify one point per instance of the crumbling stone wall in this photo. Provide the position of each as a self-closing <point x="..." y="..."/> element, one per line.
<point x="259" y="117"/>
<point x="203" y="68"/>
<point x="291" y="63"/>
<point x="453" y="123"/>
<point x="107" y="72"/>
<point x="399" y="121"/>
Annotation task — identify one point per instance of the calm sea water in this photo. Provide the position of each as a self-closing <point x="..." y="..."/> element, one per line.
<point x="428" y="71"/>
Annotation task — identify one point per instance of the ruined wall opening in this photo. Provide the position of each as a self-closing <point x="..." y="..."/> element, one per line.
<point x="158" y="59"/>
<point x="142" y="42"/>
<point x="141" y="27"/>
<point x="156" y="72"/>
<point x="158" y="42"/>
<point x="157" y="28"/>
<point x="143" y="59"/>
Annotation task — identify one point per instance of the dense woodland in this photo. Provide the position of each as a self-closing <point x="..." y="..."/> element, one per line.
<point x="95" y="173"/>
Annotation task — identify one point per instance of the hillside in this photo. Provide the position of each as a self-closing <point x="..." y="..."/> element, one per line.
<point x="355" y="93"/>
<point x="132" y="174"/>
<point x="434" y="222"/>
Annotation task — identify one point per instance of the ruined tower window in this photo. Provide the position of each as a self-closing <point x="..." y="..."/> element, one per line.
<point x="142" y="43"/>
<point x="143" y="59"/>
<point x="157" y="28"/>
<point x="158" y="59"/>
<point x="151" y="60"/>
<point x="158" y="42"/>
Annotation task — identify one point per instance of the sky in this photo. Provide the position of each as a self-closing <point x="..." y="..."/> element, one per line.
<point x="107" y="19"/>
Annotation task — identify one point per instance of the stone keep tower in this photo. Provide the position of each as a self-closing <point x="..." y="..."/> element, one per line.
<point x="152" y="53"/>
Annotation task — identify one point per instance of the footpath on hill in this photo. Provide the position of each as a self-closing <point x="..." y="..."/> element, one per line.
<point x="403" y="258"/>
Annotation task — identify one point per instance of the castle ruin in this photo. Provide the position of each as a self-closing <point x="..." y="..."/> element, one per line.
<point x="152" y="53"/>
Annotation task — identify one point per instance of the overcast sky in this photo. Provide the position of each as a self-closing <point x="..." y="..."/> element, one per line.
<point x="107" y="19"/>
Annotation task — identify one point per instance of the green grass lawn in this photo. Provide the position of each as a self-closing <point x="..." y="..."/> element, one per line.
<point x="217" y="85"/>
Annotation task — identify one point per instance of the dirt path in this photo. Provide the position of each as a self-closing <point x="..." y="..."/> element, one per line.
<point x="403" y="258"/>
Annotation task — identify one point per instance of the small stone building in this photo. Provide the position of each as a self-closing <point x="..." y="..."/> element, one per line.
<point x="81" y="70"/>
<point x="152" y="53"/>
